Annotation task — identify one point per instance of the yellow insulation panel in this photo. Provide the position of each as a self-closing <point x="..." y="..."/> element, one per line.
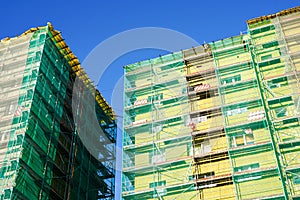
<point x="206" y="103"/>
<point x="226" y="192"/>
<point x="264" y="159"/>
<point x="260" y="187"/>
<point x="219" y="168"/>
<point x="243" y="95"/>
<point x="203" y="67"/>
<point x="229" y="60"/>
<point x="212" y="122"/>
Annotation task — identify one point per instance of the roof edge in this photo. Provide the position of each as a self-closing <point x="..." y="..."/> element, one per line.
<point x="75" y="65"/>
<point x="271" y="16"/>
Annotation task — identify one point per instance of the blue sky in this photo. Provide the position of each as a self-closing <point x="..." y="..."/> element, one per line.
<point x="85" y="24"/>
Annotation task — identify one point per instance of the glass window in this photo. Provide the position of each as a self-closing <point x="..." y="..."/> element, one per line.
<point x="157" y="184"/>
<point x="42" y="37"/>
<point x="206" y="175"/>
<point x="246" y="167"/>
<point x="280" y="112"/>
<point x="266" y="57"/>
<point x="232" y="79"/>
<point x="243" y="138"/>
<point x="236" y="111"/>
<point x="32" y="43"/>
<point x="155" y="97"/>
<point x="296" y="180"/>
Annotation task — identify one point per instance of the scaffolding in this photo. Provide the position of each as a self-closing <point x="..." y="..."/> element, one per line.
<point x="229" y="127"/>
<point x="277" y="62"/>
<point x="250" y="150"/>
<point x="42" y="155"/>
<point x="156" y="140"/>
<point x="211" y="164"/>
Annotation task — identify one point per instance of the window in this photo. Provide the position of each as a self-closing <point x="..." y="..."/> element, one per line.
<point x="14" y="165"/>
<point x="273" y="85"/>
<point x="205" y="94"/>
<point x="266" y="57"/>
<point x="202" y="148"/>
<point x="33" y="43"/>
<point x="246" y="176"/>
<point x="232" y="79"/>
<point x="236" y="111"/>
<point x="261" y="30"/>
<point x="29" y="94"/>
<point x="197" y="119"/>
<point x="276" y="83"/>
<point x="42" y="38"/>
<point x="243" y="138"/>
<point x="296" y="180"/>
<point x="38" y="56"/>
<point x="239" y="140"/>
<point x="206" y="175"/>
<point x="155" y="97"/>
<point x="246" y="167"/>
<point x="270" y="44"/>
<point x="157" y="184"/>
<point x="280" y="112"/>
<point x="271" y="62"/>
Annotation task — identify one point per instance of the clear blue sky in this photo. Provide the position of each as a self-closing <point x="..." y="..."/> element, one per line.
<point x="84" y="24"/>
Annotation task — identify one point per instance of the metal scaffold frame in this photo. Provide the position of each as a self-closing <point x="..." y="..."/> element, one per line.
<point x="156" y="139"/>
<point x="43" y="156"/>
<point x="240" y="120"/>
<point x="282" y="104"/>
<point x="209" y="144"/>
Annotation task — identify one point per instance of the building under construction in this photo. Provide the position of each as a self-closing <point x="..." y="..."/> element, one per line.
<point x="218" y="121"/>
<point x="45" y="150"/>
